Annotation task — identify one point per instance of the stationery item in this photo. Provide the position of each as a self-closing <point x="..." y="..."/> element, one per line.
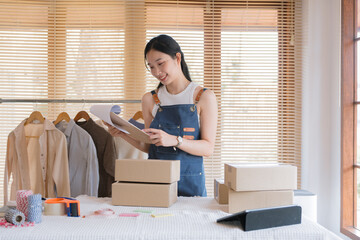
<point x="15" y="217"/>
<point x="51" y="209"/>
<point x="72" y="205"/>
<point x="143" y="211"/>
<point x="34" y="208"/>
<point x="73" y="209"/>
<point x="265" y="217"/>
<point x="129" y="214"/>
<point x="6" y="224"/>
<point x="108" y="113"/>
<point x="104" y="212"/>
<point x="22" y="201"/>
<point x="161" y="215"/>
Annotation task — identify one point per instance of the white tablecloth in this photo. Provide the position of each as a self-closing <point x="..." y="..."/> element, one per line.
<point x="192" y="218"/>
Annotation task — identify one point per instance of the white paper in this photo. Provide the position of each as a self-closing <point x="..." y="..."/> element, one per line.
<point x="103" y="112"/>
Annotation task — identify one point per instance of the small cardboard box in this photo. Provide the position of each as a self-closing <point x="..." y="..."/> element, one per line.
<point x="240" y="201"/>
<point x="220" y="191"/>
<point x="260" y="177"/>
<point x="144" y="194"/>
<point x="147" y="170"/>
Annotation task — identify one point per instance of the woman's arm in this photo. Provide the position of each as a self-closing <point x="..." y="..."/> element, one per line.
<point x="208" y="112"/>
<point x="147" y="104"/>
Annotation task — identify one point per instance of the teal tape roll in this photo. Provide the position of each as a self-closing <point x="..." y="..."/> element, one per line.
<point x="34" y="208"/>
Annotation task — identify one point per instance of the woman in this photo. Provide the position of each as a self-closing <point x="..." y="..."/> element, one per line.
<point x="180" y="116"/>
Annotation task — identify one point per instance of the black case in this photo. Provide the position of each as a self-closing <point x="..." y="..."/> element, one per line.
<point x="265" y="217"/>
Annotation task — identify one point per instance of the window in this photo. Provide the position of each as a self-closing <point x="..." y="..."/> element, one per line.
<point x="247" y="52"/>
<point x="350" y="135"/>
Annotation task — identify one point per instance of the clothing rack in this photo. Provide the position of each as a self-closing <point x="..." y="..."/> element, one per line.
<point x="13" y="100"/>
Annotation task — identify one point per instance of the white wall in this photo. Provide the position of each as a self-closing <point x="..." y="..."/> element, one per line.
<point x="321" y="110"/>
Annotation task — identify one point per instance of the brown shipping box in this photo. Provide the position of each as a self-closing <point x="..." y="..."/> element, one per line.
<point x="147" y="170"/>
<point x="240" y="201"/>
<point x="220" y="191"/>
<point x="144" y="194"/>
<point x="259" y="177"/>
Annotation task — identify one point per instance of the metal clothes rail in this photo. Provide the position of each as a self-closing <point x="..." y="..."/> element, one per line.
<point x="13" y="100"/>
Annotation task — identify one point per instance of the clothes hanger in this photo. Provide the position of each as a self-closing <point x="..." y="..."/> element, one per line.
<point x="35" y="115"/>
<point x="62" y="116"/>
<point x="80" y="115"/>
<point x="138" y="115"/>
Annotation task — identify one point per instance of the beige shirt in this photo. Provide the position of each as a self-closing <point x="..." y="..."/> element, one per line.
<point x="38" y="161"/>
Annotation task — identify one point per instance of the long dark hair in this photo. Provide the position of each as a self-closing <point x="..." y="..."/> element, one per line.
<point x="166" y="44"/>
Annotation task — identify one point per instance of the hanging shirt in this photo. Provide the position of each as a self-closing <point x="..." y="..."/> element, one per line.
<point x="83" y="161"/>
<point x="105" y="150"/>
<point x="37" y="159"/>
<point x="125" y="150"/>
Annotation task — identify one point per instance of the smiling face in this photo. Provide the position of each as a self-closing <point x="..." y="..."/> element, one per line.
<point x="163" y="66"/>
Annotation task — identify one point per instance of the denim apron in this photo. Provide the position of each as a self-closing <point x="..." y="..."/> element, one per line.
<point x="181" y="120"/>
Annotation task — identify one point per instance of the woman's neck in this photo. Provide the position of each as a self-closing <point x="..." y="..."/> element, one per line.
<point x="178" y="86"/>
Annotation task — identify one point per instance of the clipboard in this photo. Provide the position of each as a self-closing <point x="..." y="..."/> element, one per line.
<point x="108" y="113"/>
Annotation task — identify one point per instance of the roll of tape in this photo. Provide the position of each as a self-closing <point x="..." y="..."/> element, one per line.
<point x="34" y="208"/>
<point x="15" y="217"/>
<point x="54" y="209"/>
<point x="22" y="201"/>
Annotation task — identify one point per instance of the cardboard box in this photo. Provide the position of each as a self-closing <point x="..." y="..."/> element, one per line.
<point x="144" y="194"/>
<point x="220" y="191"/>
<point x="260" y="177"/>
<point x="240" y="201"/>
<point x="150" y="171"/>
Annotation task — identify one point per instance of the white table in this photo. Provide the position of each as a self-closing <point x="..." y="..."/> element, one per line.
<point x="192" y="218"/>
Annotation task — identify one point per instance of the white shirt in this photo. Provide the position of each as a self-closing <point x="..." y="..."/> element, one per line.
<point x="167" y="99"/>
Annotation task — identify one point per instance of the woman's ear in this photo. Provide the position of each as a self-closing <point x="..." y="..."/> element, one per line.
<point x="178" y="58"/>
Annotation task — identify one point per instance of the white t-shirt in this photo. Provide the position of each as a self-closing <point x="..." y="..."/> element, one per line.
<point x="166" y="98"/>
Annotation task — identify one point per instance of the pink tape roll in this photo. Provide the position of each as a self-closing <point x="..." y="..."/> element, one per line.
<point x="22" y="201"/>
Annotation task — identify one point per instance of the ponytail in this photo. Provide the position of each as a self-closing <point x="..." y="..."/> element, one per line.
<point x="184" y="67"/>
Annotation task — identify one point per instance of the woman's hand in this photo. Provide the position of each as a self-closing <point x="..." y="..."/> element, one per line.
<point x="161" y="138"/>
<point x="114" y="131"/>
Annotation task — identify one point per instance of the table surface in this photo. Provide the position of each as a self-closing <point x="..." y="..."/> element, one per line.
<point x="191" y="218"/>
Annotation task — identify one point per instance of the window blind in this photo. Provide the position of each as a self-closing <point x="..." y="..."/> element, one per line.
<point x="247" y="52"/>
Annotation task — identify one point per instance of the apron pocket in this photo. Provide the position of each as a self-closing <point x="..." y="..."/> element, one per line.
<point x="192" y="178"/>
<point x="171" y="129"/>
<point x="166" y="150"/>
